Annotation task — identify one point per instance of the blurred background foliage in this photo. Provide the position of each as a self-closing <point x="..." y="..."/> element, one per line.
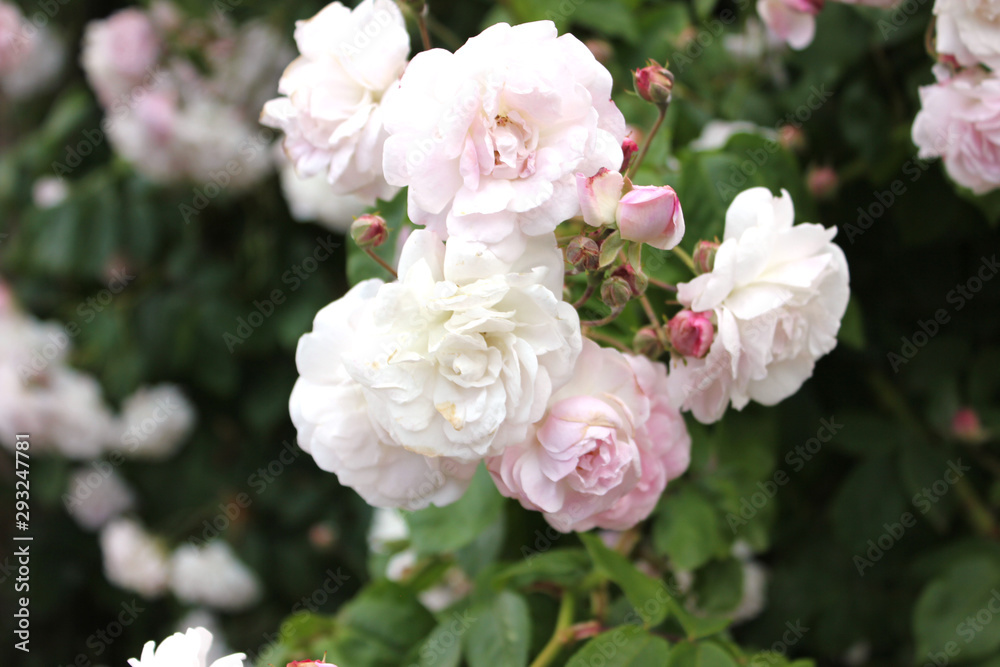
<point x="194" y="281"/>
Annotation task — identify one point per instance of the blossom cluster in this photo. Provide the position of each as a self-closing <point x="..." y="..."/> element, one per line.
<point x="31" y="55"/>
<point x="472" y="354"/>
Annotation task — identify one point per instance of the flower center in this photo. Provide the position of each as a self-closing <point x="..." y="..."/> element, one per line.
<point x="514" y="145"/>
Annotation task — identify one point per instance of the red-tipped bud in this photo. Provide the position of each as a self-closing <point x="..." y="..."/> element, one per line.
<point x="791" y="138"/>
<point x="637" y="280"/>
<point x="310" y="663"/>
<point x="583" y="253"/>
<point x="647" y="343"/>
<point x="616" y="292"/>
<point x="629" y="149"/>
<point x="704" y="256"/>
<point x="691" y="333"/>
<point x="965" y="426"/>
<point x="822" y="182"/>
<point x="654" y="83"/>
<point x="369" y="231"/>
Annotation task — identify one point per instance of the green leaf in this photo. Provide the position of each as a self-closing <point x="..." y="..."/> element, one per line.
<point x="609" y="18"/>
<point x="565" y="567"/>
<point x="610" y="248"/>
<point x="500" y="634"/>
<point x="625" y="646"/>
<point x="442" y="529"/>
<point x="718" y="587"/>
<point x="700" y="654"/>
<point x="650" y="597"/>
<point x="441" y="648"/>
<point x="688" y="529"/>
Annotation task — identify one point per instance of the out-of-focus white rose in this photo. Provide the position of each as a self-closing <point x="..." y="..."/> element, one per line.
<point x="777" y="292"/>
<point x="717" y="133"/>
<point x="49" y="192"/>
<point x="190" y="649"/>
<point x="119" y="52"/>
<point x="31" y="56"/>
<point x="95" y="497"/>
<point x="212" y="576"/>
<point x="334" y="93"/>
<point x="958" y="122"/>
<point x="311" y="199"/>
<point x="133" y="559"/>
<point x="155" y="422"/>
<point x="388" y="525"/>
<point x="489" y="139"/>
<point x="969" y="30"/>
<point x="203" y="618"/>
<point x="793" y="21"/>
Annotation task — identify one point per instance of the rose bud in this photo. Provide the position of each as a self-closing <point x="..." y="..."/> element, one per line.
<point x="651" y="214"/>
<point x="311" y="663"/>
<point x="691" y="333"/>
<point x="654" y="83"/>
<point x="791" y="138"/>
<point x="647" y="343"/>
<point x="965" y="426"/>
<point x="616" y="292"/>
<point x="822" y="182"/>
<point x="583" y="253"/>
<point x="602" y="50"/>
<point x="599" y="195"/>
<point x="369" y="231"/>
<point x="629" y="149"/>
<point x="704" y="256"/>
<point x="637" y="281"/>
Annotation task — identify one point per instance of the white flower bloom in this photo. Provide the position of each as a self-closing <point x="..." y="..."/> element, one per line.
<point x="189" y="649"/>
<point x="133" y="559"/>
<point x="489" y="139"/>
<point x="388" y="525"/>
<point x="332" y="110"/>
<point x="48" y="192"/>
<point x="203" y="618"/>
<point x="312" y="198"/>
<point x="155" y="421"/>
<point x="213" y="576"/>
<point x="31" y="56"/>
<point x="94" y="498"/>
<point x="119" y="52"/>
<point x="969" y="30"/>
<point x="777" y="293"/>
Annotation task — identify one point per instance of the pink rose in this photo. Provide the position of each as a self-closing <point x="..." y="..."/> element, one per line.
<point x="691" y="333"/>
<point x="958" y="123"/>
<point x="119" y="52"/>
<point x="792" y="21"/>
<point x="651" y="214"/>
<point x="599" y="195"/>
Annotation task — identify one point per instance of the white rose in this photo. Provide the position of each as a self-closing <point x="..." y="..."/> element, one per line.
<point x="155" y="421"/>
<point x="133" y="559"/>
<point x="202" y="618"/>
<point x="190" y="649"/>
<point x="212" y="575"/>
<point x="332" y="110"/>
<point x="119" y="52"/>
<point x="331" y="414"/>
<point x="969" y="30"/>
<point x="93" y="498"/>
<point x="311" y="198"/>
<point x="489" y="139"/>
<point x="777" y="293"/>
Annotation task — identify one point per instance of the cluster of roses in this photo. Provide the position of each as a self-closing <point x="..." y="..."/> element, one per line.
<point x="960" y="116"/>
<point x="472" y="354"/>
<point x="794" y="21"/>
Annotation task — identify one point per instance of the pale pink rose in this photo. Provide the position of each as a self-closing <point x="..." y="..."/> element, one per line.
<point x="489" y="139"/>
<point x="793" y="21"/>
<point x="335" y="92"/>
<point x="969" y="30"/>
<point x="958" y="122"/>
<point x="599" y="195"/>
<point x="13" y="40"/>
<point x="664" y="449"/>
<point x="651" y="214"/>
<point x="581" y="458"/>
<point x="119" y="52"/>
<point x="691" y="333"/>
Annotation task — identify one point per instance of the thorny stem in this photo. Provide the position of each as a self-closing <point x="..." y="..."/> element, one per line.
<point x="634" y="167"/>
<point x="653" y="319"/>
<point x="603" y="338"/>
<point x="382" y="262"/>
<point x="604" y="320"/>
<point x="422" y="22"/>
<point x="662" y="285"/>
<point x="561" y="635"/>
<point x="587" y="293"/>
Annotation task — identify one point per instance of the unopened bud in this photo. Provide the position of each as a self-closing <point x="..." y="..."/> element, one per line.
<point x="691" y="333"/>
<point x="654" y="83"/>
<point x="791" y="138"/>
<point x="823" y="182"/>
<point x="311" y="663"/>
<point x="602" y="50"/>
<point x="615" y="292"/>
<point x="965" y="426"/>
<point x="704" y="256"/>
<point x="369" y="231"/>
<point x="636" y="280"/>
<point x="583" y="253"/>
<point x="629" y="149"/>
<point x="647" y="343"/>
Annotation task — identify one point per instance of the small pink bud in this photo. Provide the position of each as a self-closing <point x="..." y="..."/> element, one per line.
<point x="616" y="292"/>
<point x="791" y="138"/>
<point x="651" y="214"/>
<point x="599" y="195"/>
<point x="965" y="426"/>
<point x="811" y="7"/>
<point x="647" y="343"/>
<point x="602" y="50"/>
<point x="629" y="149"/>
<point x="369" y="231"/>
<point x="322" y="535"/>
<point x="637" y="281"/>
<point x="654" y="83"/>
<point x="310" y="663"/>
<point x="583" y="253"/>
<point x="704" y="256"/>
<point x="823" y="182"/>
<point x="691" y="333"/>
